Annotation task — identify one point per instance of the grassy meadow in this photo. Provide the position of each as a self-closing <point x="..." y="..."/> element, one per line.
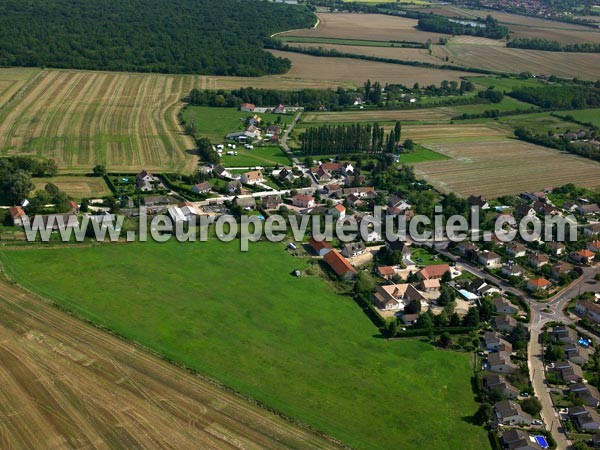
<point x="291" y="343"/>
<point x="259" y="156"/>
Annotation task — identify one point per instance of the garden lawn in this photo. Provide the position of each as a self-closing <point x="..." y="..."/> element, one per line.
<point x="421" y="154"/>
<point x="259" y="156"/>
<point x="216" y="123"/>
<point x="583" y="115"/>
<point x="289" y="342"/>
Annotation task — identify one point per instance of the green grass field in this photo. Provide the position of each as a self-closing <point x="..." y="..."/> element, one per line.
<point x="291" y="343"/>
<point x="539" y="122"/>
<point x="215" y="123"/>
<point x="421" y="154"/>
<point x="507" y="104"/>
<point x="584" y="115"/>
<point x="259" y="156"/>
<point x="505" y="84"/>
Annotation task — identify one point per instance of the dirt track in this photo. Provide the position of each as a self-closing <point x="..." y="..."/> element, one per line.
<point x="66" y="384"/>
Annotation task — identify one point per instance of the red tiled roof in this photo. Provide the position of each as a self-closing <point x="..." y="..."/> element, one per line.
<point x="339" y="207"/>
<point x="386" y="270"/>
<point x="540" y="282"/>
<point x="16" y="212"/>
<point x="319" y="245"/>
<point x="585" y="254"/>
<point x="435" y="271"/>
<point x="338" y="263"/>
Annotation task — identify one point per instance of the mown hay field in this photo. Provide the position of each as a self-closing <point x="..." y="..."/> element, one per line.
<point x="357" y="71"/>
<point x="502" y="59"/>
<point x="505" y="167"/>
<point x="367" y="26"/>
<point x="443" y="133"/>
<point x="81" y="118"/>
<point x="434" y="114"/>
<point x="77" y="187"/>
<point x="283" y="82"/>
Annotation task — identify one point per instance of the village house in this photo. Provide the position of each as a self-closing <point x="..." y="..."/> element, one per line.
<point x="18" y="216"/>
<point x="58" y="221"/>
<point x="176" y="214"/>
<point x="504" y="306"/>
<point x="247" y="107"/>
<point x="394" y="297"/>
<point x="339" y="265"/>
<point x="433" y="272"/>
<point x="588" y="209"/>
<point x="497" y="383"/>
<point x="583" y="257"/>
<point x="576" y="354"/>
<point x="386" y="272"/>
<point x="234" y="187"/>
<point x="512" y="270"/>
<point x="320" y="174"/>
<point x="157" y="200"/>
<point x="588" y="309"/>
<point x="279" y="109"/>
<point x="202" y="188"/>
<point x="396" y="202"/>
<point x="481" y="288"/>
<point x="537" y="260"/>
<point x="538" y="284"/>
<point x="516" y="250"/>
<point x="303" y="201"/>
<point x="563" y="334"/>
<point x="534" y="196"/>
<point x="221" y="171"/>
<point x="522" y="211"/>
<point x="561" y="269"/>
<point x="145" y="181"/>
<point x="594" y="246"/>
<point x="353" y="249"/>
<point x="467" y="249"/>
<point x="556" y="248"/>
<point x="73" y="207"/>
<point x="252" y="177"/>
<point x="478" y="201"/>
<point x="586" y="393"/>
<point x="271" y="202"/>
<point x="246" y="203"/>
<point x="321" y="248"/>
<point x="493" y="341"/>
<point x="504" y="323"/>
<point x="567" y="371"/>
<point x="515" y="439"/>
<point x="189" y="211"/>
<point x="508" y="412"/>
<point x="286" y="176"/>
<point x="490" y="260"/>
<point x="430" y="286"/>
<point x="338" y="211"/>
<point x="332" y="189"/>
<point x="585" y="418"/>
<point x="592" y="230"/>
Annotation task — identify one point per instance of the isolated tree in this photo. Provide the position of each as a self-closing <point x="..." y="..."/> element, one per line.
<point x="99" y="170"/>
<point x="390" y="327"/>
<point x="472" y="317"/>
<point x="531" y="405"/>
<point x="364" y="284"/>
<point x="408" y="144"/>
<point x="447" y="277"/>
<point x="52" y="189"/>
<point x="18" y="185"/>
<point x="445" y="339"/>
<point x="483" y="414"/>
<point x="486" y="309"/>
<point x="414" y="307"/>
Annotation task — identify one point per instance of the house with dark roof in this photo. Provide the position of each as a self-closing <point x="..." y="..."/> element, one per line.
<point x="567" y="371"/>
<point x="508" y="412"/>
<point x="504" y="323"/>
<point x="537" y="260"/>
<point x="516" y="250"/>
<point x="504" y="306"/>
<point x="585" y="418"/>
<point x="586" y="393"/>
<point x="394" y="297"/>
<point x="515" y="439"/>
<point x="588" y="309"/>
<point x="202" y="188"/>
<point x="489" y="259"/>
<point x="271" y="201"/>
<point x="352" y="249"/>
<point x="478" y="201"/>
<point x="497" y="383"/>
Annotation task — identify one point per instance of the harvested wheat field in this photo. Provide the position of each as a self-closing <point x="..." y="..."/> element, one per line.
<point x="455" y="132"/>
<point x="402" y="54"/>
<point x="562" y="64"/>
<point x="80" y="119"/>
<point x="433" y="115"/>
<point x="12" y="81"/>
<point x="505" y="167"/>
<point x="377" y="27"/>
<point x="77" y="187"/>
<point x="357" y="71"/>
<point x="66" y="384"/>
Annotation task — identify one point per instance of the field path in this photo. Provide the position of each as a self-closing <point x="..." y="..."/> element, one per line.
<point x="67" y="384"/>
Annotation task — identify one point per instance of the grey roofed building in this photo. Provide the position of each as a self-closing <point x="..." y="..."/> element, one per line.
<point x="58" y="221"/>
<point x="244" y="202"/>
<point x="508" y="412"/>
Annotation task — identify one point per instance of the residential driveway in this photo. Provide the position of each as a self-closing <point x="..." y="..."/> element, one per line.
<point x="366" y="257"/>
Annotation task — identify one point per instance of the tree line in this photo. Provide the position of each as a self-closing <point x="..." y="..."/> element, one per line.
<point x="560" y="96"/>
<point x="583" y="149"/>
<point x="16" y="174"/>
<point x="353" y="138"/>
<point x="490" y="28"/>
<point x="554" y="46"/>
<point x="165" y="36"/>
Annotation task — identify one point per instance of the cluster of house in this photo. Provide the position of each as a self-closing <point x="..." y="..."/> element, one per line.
<point x="254" y="130"/>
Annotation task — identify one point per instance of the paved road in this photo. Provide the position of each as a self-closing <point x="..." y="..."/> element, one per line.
<point x="284" y="138"/>
<point x="542" y="313"/>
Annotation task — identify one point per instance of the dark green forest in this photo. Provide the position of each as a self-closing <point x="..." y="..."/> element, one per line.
<point x="489" y="28"/>
<point x="554" y="46"/>
<point x="560" y="96"/>
<point x="224" y="37"/>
